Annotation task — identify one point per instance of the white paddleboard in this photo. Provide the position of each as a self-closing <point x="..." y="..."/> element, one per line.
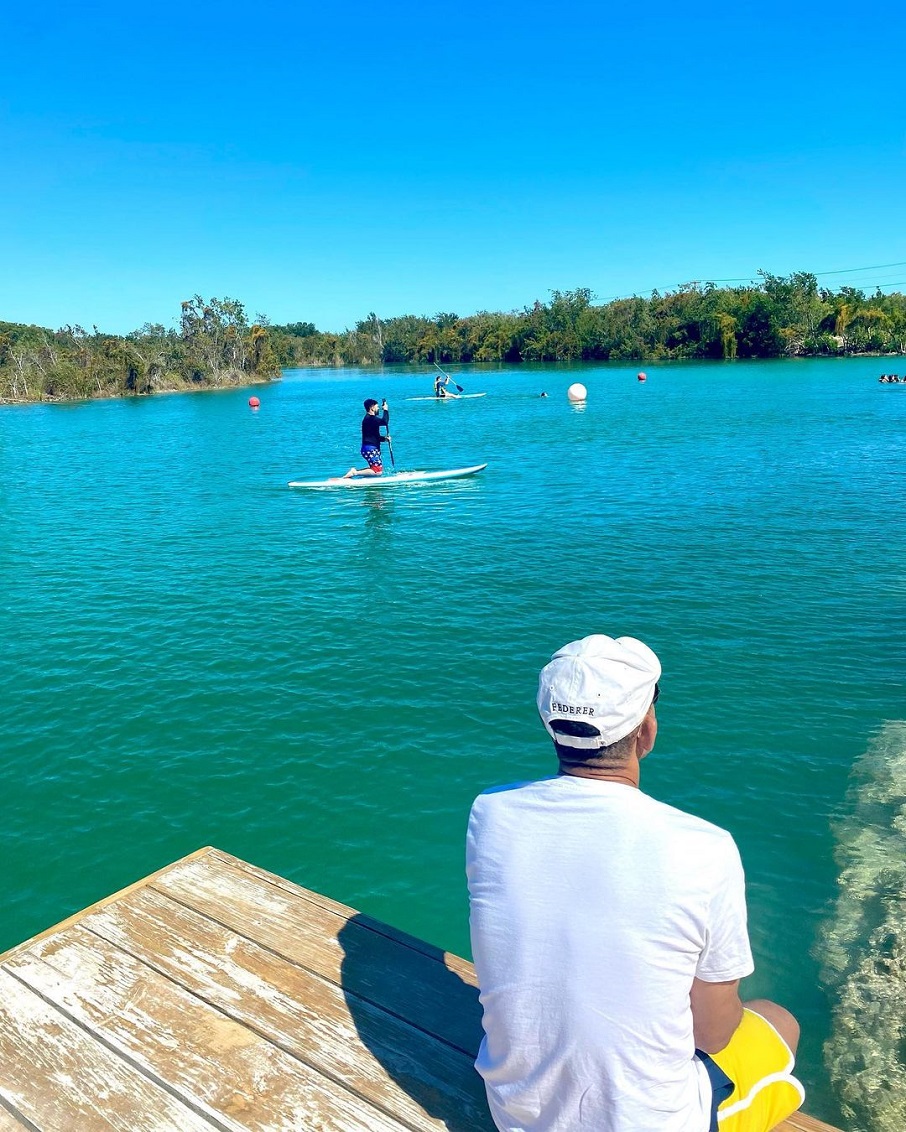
<point x="449" y="397"/>
<point x="392" y="479"/>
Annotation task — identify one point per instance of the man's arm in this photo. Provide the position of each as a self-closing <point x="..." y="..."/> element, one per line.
<point x="716" y="1012"/>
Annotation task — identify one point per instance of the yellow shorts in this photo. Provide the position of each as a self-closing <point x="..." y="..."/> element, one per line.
<point x="759" y="1063"/>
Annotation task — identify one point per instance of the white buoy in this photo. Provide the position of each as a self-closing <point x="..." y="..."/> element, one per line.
<point x="577" y="392"/>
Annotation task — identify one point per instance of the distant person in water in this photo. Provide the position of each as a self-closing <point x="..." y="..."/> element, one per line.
<point x="440" y="386"/>
<point x="372" y="439"/>
<point x="543" y="394"/>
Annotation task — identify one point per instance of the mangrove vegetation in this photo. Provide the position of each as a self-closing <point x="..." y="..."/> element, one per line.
<point x="215" y="344"/>
<point x="779" y="317"/>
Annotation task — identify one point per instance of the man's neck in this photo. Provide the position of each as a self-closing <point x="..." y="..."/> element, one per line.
<point x="627" y="775"/>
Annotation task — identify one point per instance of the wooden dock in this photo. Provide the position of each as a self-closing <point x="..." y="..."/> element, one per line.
<point x="214" y="995"/>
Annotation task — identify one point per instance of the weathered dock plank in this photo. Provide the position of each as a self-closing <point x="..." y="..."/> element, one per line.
<point x="9" y="1122"/>
<point x="308" y="1016"/>
<point x="215" y="995"/>
<point x="461" y="966"/>
<point x="414" y="983"/>
<point x="230" y="1072"/>
<point x="800" y="1122"/>
<point x="59" y="1078"/>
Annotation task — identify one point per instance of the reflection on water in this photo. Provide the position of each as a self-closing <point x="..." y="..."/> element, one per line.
<point x="378" y="509"/>
<point x="864" y="946"/>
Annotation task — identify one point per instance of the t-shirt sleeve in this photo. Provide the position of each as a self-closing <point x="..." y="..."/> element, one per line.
<point x="727" y="953"/>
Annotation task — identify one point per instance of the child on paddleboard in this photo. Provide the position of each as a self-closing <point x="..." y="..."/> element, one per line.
<point x="372" y="439"/>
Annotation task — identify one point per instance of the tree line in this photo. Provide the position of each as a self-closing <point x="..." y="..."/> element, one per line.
<point x="215" y="343"/>
<point x="778" y="317"/>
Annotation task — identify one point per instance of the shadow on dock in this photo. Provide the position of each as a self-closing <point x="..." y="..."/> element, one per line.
<point x="430" y="1049"/>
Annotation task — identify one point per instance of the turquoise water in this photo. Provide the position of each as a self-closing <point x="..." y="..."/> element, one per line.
<point x="320" y="682"/>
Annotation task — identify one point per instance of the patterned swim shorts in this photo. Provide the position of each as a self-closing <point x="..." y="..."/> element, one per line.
<point x="373" y="456"/>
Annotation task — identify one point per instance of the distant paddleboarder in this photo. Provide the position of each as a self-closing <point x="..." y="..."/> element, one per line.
<point x="372" y="439"/>
<point x="440" y="386"/>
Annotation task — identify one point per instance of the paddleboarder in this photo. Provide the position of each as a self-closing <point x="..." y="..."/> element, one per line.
<point x="440" y="384"/>
<point x="372" y="439"/>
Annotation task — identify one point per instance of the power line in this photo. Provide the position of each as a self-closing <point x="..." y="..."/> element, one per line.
<point x="871" y="267"/>
<point x="840" y="271"/>
<point x="875" y="283"/>
<point x="750" y="279"/>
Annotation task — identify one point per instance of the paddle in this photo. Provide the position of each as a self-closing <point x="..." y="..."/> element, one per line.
<point x="389" y="445"/>
<point x="447" y="376"/>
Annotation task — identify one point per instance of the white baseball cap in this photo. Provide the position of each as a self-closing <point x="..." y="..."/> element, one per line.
<point x="600" y="681"/>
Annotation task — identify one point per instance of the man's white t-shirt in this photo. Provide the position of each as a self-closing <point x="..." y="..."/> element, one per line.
<point x="593" y="907"/>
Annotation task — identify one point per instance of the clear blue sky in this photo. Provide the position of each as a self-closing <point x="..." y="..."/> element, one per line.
<point x="320" y="161"/>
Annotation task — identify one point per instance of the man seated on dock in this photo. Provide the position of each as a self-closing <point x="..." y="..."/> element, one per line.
<point x="609" y="933"/>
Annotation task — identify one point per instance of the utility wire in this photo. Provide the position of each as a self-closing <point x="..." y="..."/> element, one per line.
<point x="840" y="271"/>
<point x="750" y="279"/>
<point x="871" y="267"/>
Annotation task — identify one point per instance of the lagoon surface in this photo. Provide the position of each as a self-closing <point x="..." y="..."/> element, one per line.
<point x="320" y="682"/>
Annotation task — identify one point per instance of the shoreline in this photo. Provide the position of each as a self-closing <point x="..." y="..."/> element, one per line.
<point x="249" y="382"/>
<point x="169" y="391"/>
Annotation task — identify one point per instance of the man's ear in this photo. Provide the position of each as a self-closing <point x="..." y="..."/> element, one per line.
<point x="647" y="734"/>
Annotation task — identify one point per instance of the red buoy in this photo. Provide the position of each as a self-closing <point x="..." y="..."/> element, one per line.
<point x="643" y="377"/>
<point x="254" y="402"/>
